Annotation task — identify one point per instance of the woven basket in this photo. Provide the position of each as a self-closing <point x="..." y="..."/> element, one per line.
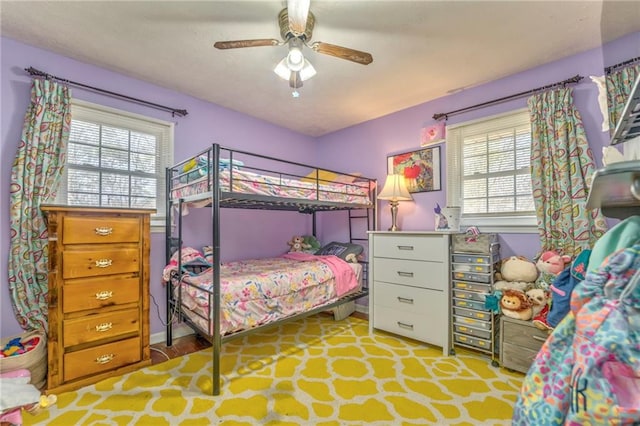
<point x="35" y="360"/>
<point x="481" y="243"/>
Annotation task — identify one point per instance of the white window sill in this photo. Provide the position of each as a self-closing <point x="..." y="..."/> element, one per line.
<point x="502" y="225"/>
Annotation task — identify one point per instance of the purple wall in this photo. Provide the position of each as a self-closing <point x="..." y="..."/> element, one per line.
<point x="361" y="148"/>
<point x="205" y="124"/>
<point x="373" y="141"/>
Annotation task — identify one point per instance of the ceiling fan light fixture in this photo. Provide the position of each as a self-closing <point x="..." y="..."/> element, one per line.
<point x="307" y="71"/>
<point x="295" y="59"/>
<point x="284" y="72"/>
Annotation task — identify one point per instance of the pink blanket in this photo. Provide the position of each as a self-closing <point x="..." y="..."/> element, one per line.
<point x="345" y="277"/>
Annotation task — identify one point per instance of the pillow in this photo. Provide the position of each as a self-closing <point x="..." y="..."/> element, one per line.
<point x="323" y="175"/>
<point x="342" y="250"/>
<point x="326" y="176"/>
<point x="346" y="178"/>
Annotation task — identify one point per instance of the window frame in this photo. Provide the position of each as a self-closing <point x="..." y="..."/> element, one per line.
<point x="163" y="130"/>
<point x="503" y="223"/>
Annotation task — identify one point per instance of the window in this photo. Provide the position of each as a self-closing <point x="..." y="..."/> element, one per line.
<point x="489" y="172"/>
<point x="116" y="159"/>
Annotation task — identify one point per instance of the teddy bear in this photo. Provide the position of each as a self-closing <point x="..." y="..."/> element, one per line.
<point x="297" y="244"/>
<point x="516" y="273"/>
<point x="514" y="304"/>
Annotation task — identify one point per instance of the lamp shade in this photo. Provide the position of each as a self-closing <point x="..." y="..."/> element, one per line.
<point x="395" y="189"/>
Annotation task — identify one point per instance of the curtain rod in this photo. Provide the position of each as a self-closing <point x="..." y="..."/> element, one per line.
<point x="179" y="112"/>
<point x="445" y="115"/>
<point x="609" y="69"/>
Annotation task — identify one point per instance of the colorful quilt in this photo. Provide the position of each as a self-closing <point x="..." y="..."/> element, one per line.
<point x="259" y="291"/>
<point x="246" y="182"/>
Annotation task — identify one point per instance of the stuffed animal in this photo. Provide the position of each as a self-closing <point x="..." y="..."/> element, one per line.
<point x="561" y="290"/>
<point x="550" y="264"/>
<point x="313" y="243"/>
<point x="518" y="268"/>
<point x="539" y="300"/>
<point x="514" y="304"/>
<point x="297" y="244"/>
<point x="516" y="273"/>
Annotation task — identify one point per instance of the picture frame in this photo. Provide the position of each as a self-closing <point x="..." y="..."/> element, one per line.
<point x="421" y="169"/>
<point x="433" y="134"/>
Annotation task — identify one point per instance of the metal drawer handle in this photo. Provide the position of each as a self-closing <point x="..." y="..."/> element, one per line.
<point x="539" y="339"/>
<point x="105" y="326"/>
<point x="405" y="247"/>
<point x="405" y="274"/>
<point x="104" y="359"/>
<point x="104" y="230"/>
<point x="405" y="325"/>
<point x="405" y="300"/>
<point x="104" y="295"/>
<point x="103" y="263"/>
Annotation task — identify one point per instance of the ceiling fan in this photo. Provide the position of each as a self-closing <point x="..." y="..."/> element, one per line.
<point x="296" y="28"/>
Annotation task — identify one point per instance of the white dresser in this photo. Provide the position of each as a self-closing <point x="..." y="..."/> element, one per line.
<point x="409" y="292"/>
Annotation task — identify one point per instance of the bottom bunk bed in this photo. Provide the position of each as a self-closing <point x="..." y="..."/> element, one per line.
<point x="254" y="294"/>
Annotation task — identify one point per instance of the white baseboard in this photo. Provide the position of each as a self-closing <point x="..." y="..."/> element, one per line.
<point x="179" y="330"/>
<point x="362" y="309"/>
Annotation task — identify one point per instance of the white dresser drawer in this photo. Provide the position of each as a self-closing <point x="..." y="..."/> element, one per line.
<point x="425" y="247"/>
<point x="410" y="324"/>
<point x="415" y="273"/>
<point x="404" y="298"/>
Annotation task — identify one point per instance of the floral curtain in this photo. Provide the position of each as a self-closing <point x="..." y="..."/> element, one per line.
<point x="35" y="176"/>
<point x="562" y="165"/>
<point x="619" y="84"/>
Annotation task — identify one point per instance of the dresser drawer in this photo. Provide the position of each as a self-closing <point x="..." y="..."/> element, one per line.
<point x="411" y="272"/>
<point x="90" y="230"/>
<point x="410" y="324"/>
<point x="107" y="261"/>
<point x="516" y="357"/>
<point x="405" y="298"/>
<point x="100" y="326"/>
<point x="99" y="292"/>
<point x="411" y="247"/>
<point x="101" y="358"/>
<point x="523" y="334"/>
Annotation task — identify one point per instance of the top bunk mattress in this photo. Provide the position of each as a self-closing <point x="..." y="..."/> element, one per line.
<point x="247" y="177"/>
<point x="247" y="182"/>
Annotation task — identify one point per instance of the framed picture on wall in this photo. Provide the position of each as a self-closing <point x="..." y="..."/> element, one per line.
<point x="420" y="168"/>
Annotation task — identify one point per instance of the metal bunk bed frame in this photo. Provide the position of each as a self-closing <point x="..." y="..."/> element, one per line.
<point x="247" y="201"/>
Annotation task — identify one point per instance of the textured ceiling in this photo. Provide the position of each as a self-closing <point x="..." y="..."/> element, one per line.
<point x="421" y="50"/>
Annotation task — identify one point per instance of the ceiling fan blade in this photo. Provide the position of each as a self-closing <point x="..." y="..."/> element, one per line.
<point x="353" y="55"/>
<point x="235" y="44"/>
<point x="298" y="11"/>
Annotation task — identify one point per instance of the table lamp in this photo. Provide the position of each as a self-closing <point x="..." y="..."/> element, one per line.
<point x="394" y="190"/>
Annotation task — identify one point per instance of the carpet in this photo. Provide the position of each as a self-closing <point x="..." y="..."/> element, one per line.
<point x="315" y="371"/>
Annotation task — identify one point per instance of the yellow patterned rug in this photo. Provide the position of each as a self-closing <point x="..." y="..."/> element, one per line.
<point x="311" y="372"/>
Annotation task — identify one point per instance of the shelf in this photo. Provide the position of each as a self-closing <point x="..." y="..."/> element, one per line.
<point x="616" y="189"/>
<point x="629" y="125"/>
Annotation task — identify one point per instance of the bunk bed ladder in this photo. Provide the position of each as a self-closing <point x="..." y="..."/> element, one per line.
<point x="356" y="236"/>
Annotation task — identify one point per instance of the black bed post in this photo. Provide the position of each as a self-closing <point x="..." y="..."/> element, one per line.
<point x="313" y="224"/>
<point x="215" y="211"/>
<point x="168" y="235"/>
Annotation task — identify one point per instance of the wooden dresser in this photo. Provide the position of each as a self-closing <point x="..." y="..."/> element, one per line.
<point x="98" y="294"/>
<point x="520" y="342"/>
<point x="409" y="292"/>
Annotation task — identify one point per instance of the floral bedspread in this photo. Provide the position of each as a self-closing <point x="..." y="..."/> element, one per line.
<point x="247" y="182"/>
<point x="259" y="291"/>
